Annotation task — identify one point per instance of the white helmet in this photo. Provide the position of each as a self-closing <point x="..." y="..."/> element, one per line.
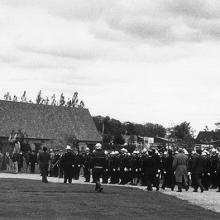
<point x="98" y="146"/>
<point x="68" y="147"/>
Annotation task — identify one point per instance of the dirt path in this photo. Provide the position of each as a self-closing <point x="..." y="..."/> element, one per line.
<point x="209" y="199"/>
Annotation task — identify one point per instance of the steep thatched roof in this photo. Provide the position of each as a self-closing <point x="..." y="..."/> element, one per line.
<point x="47" y="122"/>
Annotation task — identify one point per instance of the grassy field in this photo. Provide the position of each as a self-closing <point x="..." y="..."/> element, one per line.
<point x="27" y="199"/>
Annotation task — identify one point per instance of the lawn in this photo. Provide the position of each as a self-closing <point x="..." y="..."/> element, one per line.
<point x="28" y="199"/>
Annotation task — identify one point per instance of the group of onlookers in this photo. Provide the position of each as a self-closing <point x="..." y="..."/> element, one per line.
<point x="16" y="162"/>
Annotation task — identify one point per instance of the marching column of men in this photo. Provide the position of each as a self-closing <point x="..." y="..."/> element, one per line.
<point x="147" y="168"/>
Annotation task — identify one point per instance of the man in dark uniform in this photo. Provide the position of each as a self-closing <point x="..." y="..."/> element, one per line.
<point x="114" y="167"/>
<point x="66" y="163"/>
<point x="207" y="166"/>
<point x="43" y="161"/>
<point x="78" y="162"/>
<point x="106" y="173"/>
<point x="213" y="169"/>
<point x="87" y="165"/>
<point x="32" y="161"/>
<point x="55" y="164"/>
<point x="150" y="168"/>
<point x="218" y="173"/>
<point x="98" y="162"/>
<point x="169" y="178"/>
<point x="197" y="170"/>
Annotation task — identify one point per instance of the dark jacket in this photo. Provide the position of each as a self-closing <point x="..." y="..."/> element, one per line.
<point x="43" y="159"/>
<point x="99" y="159"/>
<point x="149" y="165"/>
<point x="67" y="160"/>
<point x="198" y="163"/>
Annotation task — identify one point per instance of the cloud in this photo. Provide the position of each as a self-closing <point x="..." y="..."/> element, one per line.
<point x="197" y="9"/>
<point x="134" y="60"/>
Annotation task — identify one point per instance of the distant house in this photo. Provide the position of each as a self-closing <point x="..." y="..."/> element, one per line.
<point x="207" y="137"/>
<point x="46" y="124"/>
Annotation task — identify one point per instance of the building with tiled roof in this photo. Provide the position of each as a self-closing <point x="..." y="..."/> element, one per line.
<point x="206" y="137"/>
<point x="47" y="123"/>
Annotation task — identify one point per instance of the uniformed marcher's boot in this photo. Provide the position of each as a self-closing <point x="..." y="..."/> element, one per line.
<point x="179" y="187"/>
<point x="97" y="186"/>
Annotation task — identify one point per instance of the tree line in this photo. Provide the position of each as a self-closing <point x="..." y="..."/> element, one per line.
<point x="113" y="130"/>
<point x="70" y="102"/>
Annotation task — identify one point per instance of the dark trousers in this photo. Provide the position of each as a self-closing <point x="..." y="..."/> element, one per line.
<point x="86" y="173"/>
<point x="105" y="176"/>
<point x="68" y="174"/>
<point x="76" y="172"/>
<point x="197" y="181"/>
<point x="114" y="176"/>
<point x="213" y="178"/>
<point x="150" y="178"/>
<point x="32" y="167"/>
<point x="44" y="173"/>
<point x="97" y="172"/>
<point x="206" y="181"/>
<point x="169" y="180"/>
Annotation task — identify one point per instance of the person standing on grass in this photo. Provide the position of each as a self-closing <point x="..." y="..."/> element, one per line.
<point x="67" y="163"/>
<point x="98" y="164"/>
<point x="180" y="164"/>
<point x="43" y="161"/>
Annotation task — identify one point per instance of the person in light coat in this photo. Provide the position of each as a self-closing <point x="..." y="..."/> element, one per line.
<point x="180" y="164"/>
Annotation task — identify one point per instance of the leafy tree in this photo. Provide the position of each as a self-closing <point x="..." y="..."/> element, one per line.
<point x="118" y="139"/>
<point x="107" y="139"/>
<point x="130" y="128"/>
<point x="182" y="131"/>
<point x="153" y="130"/>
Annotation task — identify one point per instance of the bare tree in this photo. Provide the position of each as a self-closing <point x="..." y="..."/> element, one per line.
<point x="24" y="97"/>
<point x="75" y="99"/>
<point x="46" y="101"/>
<point x="53" y="100"/>
<point x="39" y="98"/>
<point x="82" y="104"/>
<point x="69" y="103"/>
<point x="62" y="100"/>
<point x="15" y="98"/>
<point x="7" y="96"/>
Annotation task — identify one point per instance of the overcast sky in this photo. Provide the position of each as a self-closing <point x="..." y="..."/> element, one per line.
<point x="140" y="61"/>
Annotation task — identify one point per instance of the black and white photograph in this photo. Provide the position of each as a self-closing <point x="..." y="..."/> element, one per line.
<point x="110" y="109"/>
